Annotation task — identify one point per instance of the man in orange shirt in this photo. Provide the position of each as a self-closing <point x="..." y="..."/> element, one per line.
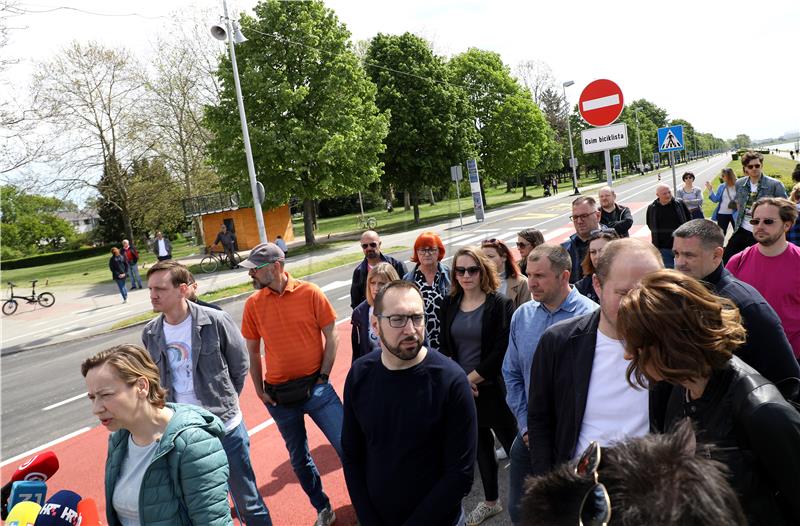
<point x="291" y="316"/>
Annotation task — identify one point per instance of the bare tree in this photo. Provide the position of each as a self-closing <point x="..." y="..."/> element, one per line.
<point x="537" y="76"/>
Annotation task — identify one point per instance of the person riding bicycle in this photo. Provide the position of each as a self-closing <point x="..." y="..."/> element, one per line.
<point x="227" y="240"/>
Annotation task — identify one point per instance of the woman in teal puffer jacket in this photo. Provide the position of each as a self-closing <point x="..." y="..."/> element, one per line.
<point x="165" y="464"/>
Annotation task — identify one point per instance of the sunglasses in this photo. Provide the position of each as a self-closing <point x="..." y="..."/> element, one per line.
<point x="428" y="250"/>
<point x="369" y="245"/>
<point x="398" y="321"/>
<point x="753" y="166"/>
<point x="461" y="271"/>
<point x="596" y="505"/>
<point x="522" y="245"/>
<point x="757" y="222"/>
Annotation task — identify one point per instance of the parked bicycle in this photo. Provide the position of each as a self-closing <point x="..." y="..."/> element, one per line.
<point x="45" y="299"/>
<point x="213" y="260"/>
<point x="364" y="222"/>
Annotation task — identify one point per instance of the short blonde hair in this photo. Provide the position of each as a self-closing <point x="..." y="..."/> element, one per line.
<point x="130" y="362"/>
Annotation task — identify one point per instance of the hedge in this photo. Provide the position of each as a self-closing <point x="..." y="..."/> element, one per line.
<point x="56" y="257"/>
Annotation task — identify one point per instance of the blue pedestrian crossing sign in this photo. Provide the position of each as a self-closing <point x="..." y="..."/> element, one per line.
<point x="670" y="139"/>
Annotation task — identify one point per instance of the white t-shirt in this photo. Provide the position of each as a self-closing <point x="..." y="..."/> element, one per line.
<point x="162" y="248"/>
<point x="747" y="215"/>
<point x="727" y="195"/>
<point x="614" y="410"/>
<point x="128" y="486"/>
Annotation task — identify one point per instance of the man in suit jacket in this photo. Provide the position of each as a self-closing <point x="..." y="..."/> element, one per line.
<point x="371" y="245"/>
<point x="579" y="390"/>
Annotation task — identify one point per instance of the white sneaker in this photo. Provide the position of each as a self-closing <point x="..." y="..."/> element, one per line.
<point x="124" y="300"/>
<point x="500" y="453"/>
<point x="326" y="517"/>
<point x="482" y="512"/>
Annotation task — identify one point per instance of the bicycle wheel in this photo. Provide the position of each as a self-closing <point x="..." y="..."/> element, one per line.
<point x="10" y="307"/>
<point x="236" y="259"/>
<point x="372" y="223"/>
<point x="46" y="299"/>
<point x="209" y="264"/>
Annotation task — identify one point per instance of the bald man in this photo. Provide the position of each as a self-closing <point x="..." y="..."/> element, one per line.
<point x="664" y="216"/>
<point x="371" y="246"/>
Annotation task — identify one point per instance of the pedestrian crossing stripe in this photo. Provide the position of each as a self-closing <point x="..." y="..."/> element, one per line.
<point x="551" y="235"/>
<point x="534" y="215"/>
<point x="671" y="142"/>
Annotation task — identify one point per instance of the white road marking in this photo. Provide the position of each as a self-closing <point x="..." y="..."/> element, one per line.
<point x="557" y="232"/>
<point x="260" y="427"/>
<point x="63" y="402"/>
<point x="44" y="446"/>
<point x="343" y="297"/>
<point x="334" y="285"/>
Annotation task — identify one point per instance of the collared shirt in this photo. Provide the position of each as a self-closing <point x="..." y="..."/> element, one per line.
<point x="527" y="326"/>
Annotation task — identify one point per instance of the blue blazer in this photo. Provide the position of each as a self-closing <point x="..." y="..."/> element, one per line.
<point x="716" y="197"/>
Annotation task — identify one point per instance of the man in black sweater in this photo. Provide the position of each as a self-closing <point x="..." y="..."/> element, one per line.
<point x="664" y="215"/>
<point x="371" y="246"/>
<point x="410" y="428"/>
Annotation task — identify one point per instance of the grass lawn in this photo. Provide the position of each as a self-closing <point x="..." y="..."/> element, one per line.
<point x="774" y="166"/>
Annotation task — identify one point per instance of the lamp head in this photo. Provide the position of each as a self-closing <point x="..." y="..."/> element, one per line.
<point x="219" y="32"/>
<point x="568" y="83"/>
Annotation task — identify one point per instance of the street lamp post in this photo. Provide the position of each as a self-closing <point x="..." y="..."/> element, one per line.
<point x="221" y="34"/>
<point x="639" y="140"/>
<point x="565" y="85"/>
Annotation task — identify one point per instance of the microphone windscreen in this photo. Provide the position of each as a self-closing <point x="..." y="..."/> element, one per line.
<point x="87" y="513"/>
<point x="60" y="510"/>
<point x="23" y="514"/>
<point x="21" y="490"/>
<point x="39" y="467"/>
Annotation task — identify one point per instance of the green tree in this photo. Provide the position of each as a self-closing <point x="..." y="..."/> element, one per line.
<point x="431" y="125"/>
<point x="655" y="114"/>
<point x="29" y="222"/>
<point x="154" y="199"/>
<point x="315" y="129"/>
<point x="741" y="141"/>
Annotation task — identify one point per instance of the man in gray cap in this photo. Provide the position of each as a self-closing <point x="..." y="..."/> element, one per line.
<point x="291" y="317"/>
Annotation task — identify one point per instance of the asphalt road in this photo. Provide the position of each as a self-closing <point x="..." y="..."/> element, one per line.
<point x="43" y="393"/>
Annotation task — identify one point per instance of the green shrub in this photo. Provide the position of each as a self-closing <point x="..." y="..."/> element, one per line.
<point x="54" y="257"/>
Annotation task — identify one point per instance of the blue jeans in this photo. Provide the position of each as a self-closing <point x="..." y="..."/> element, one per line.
<point x="122" y="289"/>
<point x="667" y="257"/>
<point x="520" y="469"/>
<point x="249" y="505"/>
<point x="136" y="278"/>
<point x="325" y="409"/>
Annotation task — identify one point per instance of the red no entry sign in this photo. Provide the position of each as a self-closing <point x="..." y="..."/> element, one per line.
<point x="601" y="102"/>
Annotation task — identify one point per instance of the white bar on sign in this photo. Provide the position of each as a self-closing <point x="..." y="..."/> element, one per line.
<point x="602" y="102"/>
<point x="475" y="187"/>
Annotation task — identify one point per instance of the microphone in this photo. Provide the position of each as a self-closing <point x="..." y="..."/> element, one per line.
<point x="60" y="510"/>
<point x="22" y="490"/>
<point x="39" y="467"/>
<point x="87" y="513"/>
<point x="23" y="514"/>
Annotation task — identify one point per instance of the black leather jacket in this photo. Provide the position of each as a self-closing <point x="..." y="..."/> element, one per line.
<point x="756" y="434"/>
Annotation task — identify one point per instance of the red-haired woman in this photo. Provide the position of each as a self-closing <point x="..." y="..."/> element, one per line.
<point x="512" y="283"/>
<point x="433" y="280"/>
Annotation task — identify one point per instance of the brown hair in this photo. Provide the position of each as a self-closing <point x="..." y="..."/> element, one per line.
<point x="400" y="284"/>
<point x="557" y="255"/>
<point x="427" y="239"/>
<point x="115" y="251"/>
<point x="384" y="270"/>
<point x="586" y="264"/>
<point x="687" y="175"/>
<point x="178" y="272"/>
<point x="130" y="362"/>
<point x="587" y="199"/>
<point x="794" y="195"/>
<point x="749" y="156"/>
<point x="489" y="278"/>
<point x="512" y="269"/>
<point x="676" y="329"/>
<point x="786" y="209"/>
<point x="532" y="236"/>
<point x="728" y="175"/>
<point x="614" y="248"/>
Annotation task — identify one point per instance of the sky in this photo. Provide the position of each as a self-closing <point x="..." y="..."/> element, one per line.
<point x="726" y="67"/>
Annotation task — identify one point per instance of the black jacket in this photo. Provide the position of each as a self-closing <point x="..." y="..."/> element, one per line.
<point x="495" y="329"/>
<point x="358" y="286"/>
<point x="620" y="219"/>
<point x="118" y="265"/>
<point x="756" y="434"/>
<point x="652" y="222"/>
<point x="577" y="249"/>
<point x="560" y="374"/>
<point x="359" y="333"/>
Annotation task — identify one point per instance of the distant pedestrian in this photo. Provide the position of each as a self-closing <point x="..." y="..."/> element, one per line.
<point x="513" y="284"/>
<point x="162" y="248"/>
<point x="228" y="242"/>
<point x="554" y="184"/>
<point x="409" y="433"/>
<point x="691" y="196"/>
<point x="546" y="186"/>
<point x="664" y="215"/>
<point x="432" y="278"/>
<point x="527" y="240"/>
<point x="363" y="338"/>
<point x="750" y="189"/>
<point x="132" y="257"/>
<point x="725" y="197"/>
<point x="119" y="272"/>
<point x="282" y="245"/>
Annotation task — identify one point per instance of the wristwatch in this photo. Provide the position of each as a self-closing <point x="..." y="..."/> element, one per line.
<point x="324" y="377"/>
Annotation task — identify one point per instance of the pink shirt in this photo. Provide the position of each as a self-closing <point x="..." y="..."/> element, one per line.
<point x="778" y="280"/>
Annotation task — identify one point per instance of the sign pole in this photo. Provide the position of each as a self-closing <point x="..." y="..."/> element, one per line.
<point x="458" y="199"/>
<point x="674" y="178"/>
<point x="607" y="155"/>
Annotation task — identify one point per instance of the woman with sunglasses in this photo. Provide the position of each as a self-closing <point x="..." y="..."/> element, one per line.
<point x="676" y="331"/>
<point x="693" y="197"/>
<point x="475" y="327"/>
<point x="598" y="239"/>
<point x="432" y="278"/>
<point x="363" y="339"/>
<point x="725" y="197"/>
<point x="512" y="283"/>
<point x="527" y="240"/>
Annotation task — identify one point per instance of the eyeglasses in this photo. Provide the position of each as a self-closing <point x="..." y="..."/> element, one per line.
<point x="369" y="245"/>
<point x="461" y="271"/>
<point x="428" y="250"/>
<point x="757" y="222"/>
<point x="398" y="321"/>
<point x="581" y="217"/>
<point x="753" y="166"/>
<point x="596" y="505"/>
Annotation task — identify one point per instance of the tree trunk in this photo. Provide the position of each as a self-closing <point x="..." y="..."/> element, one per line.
<point x="483" y="194"/>
<point x="508" y="186"/>
<point x="524" y="186"/>
<point x="433" y="201"/>
<point x="406" y="201"/>
<point x="308" y="221"/>
<point x="126" y="220"/>
<point x="415" y="202"/>
<point x="315" y="212"/>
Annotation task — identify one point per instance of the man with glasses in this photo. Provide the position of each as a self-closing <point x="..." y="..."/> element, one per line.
<point x="749" y="189"/>
<point x="409" y="436"/>
<point x="664" y="215"/>
<point x="585" y="218"/>
<point x="772" y="266"/>
<point x="371" y="246"/>
<point x="291" y="317"/>
<point x="612" y="214"/>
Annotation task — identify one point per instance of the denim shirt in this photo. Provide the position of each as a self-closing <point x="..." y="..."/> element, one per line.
<point x="527" y="326"/>
<point x="767" y="187"/>
<point x="220" y="361"/>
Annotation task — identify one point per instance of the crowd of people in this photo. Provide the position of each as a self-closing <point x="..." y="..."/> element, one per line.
<point x="625" y="380"/>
